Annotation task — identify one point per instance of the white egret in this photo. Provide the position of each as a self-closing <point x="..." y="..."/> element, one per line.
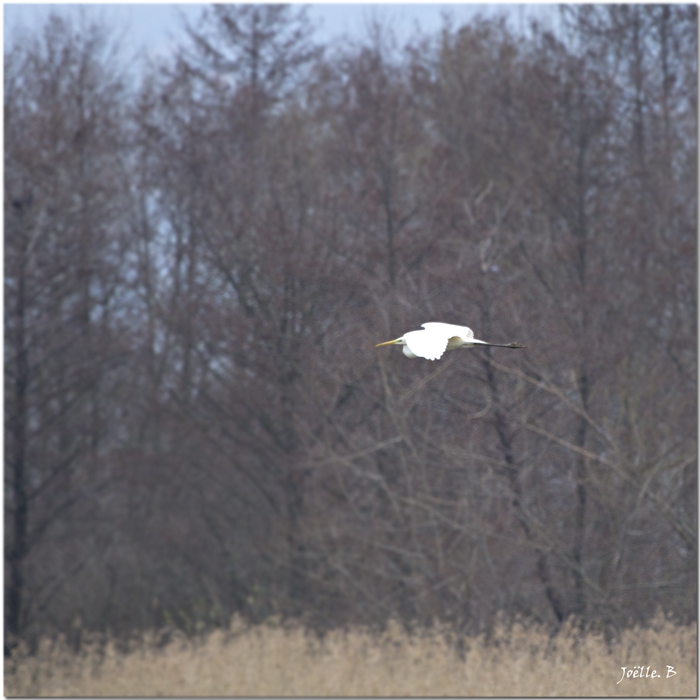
<point x="432" y="342"/>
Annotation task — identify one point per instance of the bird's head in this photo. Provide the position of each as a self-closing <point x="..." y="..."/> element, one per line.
<point x="399" y="341"/>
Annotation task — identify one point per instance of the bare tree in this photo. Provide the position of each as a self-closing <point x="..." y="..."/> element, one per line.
<point x="64" y="189"/>
<point x="197" y="422"/>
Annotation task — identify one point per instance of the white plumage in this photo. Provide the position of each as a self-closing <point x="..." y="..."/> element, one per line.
<point x="432" y="342"/>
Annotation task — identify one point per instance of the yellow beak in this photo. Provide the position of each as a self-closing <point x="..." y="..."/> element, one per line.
<point x="388" y="342"/>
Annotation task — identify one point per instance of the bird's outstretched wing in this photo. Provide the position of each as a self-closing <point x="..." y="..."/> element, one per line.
<point x="431" y="345"/>
<point x="450" y="329"/>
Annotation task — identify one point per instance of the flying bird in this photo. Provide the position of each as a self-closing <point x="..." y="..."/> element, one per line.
<point x="432" y="342"/>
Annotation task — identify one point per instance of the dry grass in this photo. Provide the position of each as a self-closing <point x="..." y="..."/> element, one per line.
<point x="272" y="661"/>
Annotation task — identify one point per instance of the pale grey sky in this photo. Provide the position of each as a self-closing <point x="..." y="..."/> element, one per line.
<point x="156" y="27"/>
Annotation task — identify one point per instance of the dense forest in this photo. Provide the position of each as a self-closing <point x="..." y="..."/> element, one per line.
<point x="202" y="251"/>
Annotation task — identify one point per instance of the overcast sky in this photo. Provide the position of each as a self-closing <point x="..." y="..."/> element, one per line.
<point x="155" y="28"/>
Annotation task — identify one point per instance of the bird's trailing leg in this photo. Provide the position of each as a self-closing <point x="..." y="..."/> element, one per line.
<point x="510" y="345"/>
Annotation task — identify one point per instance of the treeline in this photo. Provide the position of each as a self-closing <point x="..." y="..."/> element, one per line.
<point x="199" y="262"/>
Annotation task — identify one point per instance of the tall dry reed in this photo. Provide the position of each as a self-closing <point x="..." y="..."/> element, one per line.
<point x="271" y="660"/>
